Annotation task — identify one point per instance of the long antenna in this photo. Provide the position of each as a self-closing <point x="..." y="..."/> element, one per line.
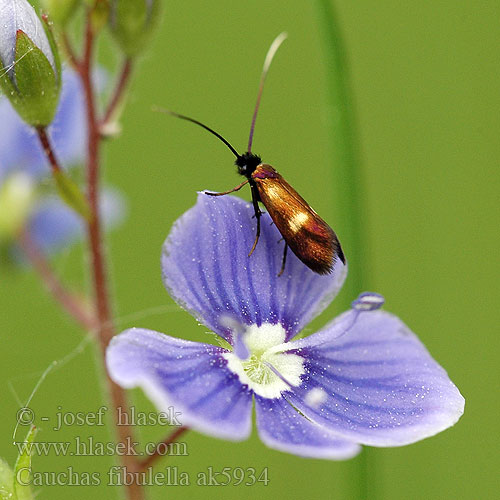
<point x="267" y="63"/>
<point x="192" y="120"/>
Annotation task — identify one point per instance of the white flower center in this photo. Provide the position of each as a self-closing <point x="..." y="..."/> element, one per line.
<point x="268" y="370"/>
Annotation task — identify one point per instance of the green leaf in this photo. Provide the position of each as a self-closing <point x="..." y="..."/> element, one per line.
<point x="6" y="481"/>
<point x="37" y="83"/>
<point x="100" y="14"/>
<point x="70" y="193"/>
<point x="22" y="469"/>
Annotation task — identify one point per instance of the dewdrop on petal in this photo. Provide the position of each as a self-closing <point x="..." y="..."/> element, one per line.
<point x="316" y="397"/>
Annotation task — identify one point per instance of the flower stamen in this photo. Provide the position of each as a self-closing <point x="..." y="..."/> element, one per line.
<point x="268" y="370"/>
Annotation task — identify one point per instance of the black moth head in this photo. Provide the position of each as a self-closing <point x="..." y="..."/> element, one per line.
<point x="247" y="163"/>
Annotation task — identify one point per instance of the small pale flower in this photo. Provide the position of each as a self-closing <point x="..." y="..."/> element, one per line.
<point x="20" y="148"/>
<point x="25" y="174"/>
<point x="364" y="378"/>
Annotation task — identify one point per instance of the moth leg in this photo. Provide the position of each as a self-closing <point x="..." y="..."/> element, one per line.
<point x="283" y="262"/>
<point x="258" y="215"/>
<point x="237" y="188"/>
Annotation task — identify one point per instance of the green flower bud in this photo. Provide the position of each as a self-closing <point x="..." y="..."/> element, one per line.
<point x="30" y="73"/>
<point x="60" y="10"/>
<point x="17" y="194"/>
<point x="22" y="468"/>
<point x="132" y="23"/>
<point x="99" y="14"/>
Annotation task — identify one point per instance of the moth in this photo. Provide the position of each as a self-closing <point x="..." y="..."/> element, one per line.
<point x="309" y="237"/>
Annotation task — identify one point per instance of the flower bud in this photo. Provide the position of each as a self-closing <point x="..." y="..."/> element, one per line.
<point x="132" y="23"/>
<point x="30" y="72"/>
<point x="60" y="10"/>
<point x="17" y="194"/>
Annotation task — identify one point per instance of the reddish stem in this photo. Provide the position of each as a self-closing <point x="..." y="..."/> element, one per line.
<point x="119" y="91"/>
<point x="171" y="438"/>
<point x="70" y="52"/>
<point x="48" y="149"/>
<point x="98" y="267"/>
<point x="68" y="300"/>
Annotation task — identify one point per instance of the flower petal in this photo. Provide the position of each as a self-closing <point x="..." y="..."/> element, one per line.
<point x="20" y="15"/>
<point x="53" y="225"/>
<point x="19" y="145"/>
<point x="283" y="428"/>
<point x="382" y="386"/>
<point x="189" y="376"/>
<point x="69" y="128"/>
<point x="207" y="270"/>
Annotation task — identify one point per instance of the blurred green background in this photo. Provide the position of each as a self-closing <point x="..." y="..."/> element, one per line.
<point x="426" y="88"/>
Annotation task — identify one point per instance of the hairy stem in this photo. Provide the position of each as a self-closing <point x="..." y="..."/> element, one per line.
<point x="67" y="299"/>
<point x="119" y="91"/>
<point x="48" y="149"/>
<point x="171" y="438"/>
<point x="70" y="51"/>
<point x="98" y="261"/>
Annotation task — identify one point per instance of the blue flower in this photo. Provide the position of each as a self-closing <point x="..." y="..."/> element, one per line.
<point x="364" y="378"/>
<point x="51" y="224"/>
<point x="19" y="146"/>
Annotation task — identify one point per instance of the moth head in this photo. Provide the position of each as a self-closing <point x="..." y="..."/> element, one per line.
<point x="247" y="163"/>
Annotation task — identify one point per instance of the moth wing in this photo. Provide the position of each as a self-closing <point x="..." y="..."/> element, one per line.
<point x="309" y="237"/>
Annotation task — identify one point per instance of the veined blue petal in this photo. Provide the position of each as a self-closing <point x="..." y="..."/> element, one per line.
<point x="283" y="428"/>
<point x="190" y="377"/>
<point x="382" y="386"/>
<point x="207" y="270"/>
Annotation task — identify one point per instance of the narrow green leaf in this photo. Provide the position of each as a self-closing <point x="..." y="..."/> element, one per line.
<point x="22" y="469"/>
<point x="70" y="193"/>
<point x="345" y="156"/>
<point x="352" y="214"/>
<point x="48" y="27"/>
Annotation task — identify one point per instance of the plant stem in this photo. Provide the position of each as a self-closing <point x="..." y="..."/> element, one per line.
<point x="171" y="438"/>
<point x="350" y="193"/>
<point x="70" y="52"/>
<point x="48" y="149"/>
<point x="119" y="91"/>
<point x="97" y="262"/>
<point x="70" y="302"/>
<point x="346" y="157"/>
